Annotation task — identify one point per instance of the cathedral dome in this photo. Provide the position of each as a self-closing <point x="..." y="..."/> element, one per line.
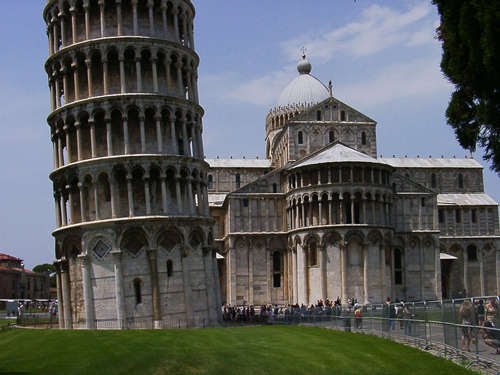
<point x="304" y="89"/>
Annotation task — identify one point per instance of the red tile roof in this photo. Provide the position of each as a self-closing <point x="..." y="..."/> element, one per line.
<point x="8" y="257"/>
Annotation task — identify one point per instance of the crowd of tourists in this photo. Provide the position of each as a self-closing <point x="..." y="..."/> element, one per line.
<point x="265" y="313"/>
<point x="479" y="318"/>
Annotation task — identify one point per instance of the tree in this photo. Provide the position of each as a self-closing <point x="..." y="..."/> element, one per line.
<point x="44" y="268"/>
<point x="49" y="270"/>
<point x="470" y="34"/>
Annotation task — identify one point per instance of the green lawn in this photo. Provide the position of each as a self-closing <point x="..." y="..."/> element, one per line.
<point x="246" y="350"/>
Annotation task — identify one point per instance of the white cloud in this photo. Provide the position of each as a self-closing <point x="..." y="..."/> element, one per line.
<point x="379" y="28"/>
<point x="419" y="79"/>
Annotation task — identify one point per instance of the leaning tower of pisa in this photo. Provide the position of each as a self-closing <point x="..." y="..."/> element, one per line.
<point x="133" y="241"/>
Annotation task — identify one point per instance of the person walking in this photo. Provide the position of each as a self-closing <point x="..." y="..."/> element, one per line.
<point x="466" y="313"/>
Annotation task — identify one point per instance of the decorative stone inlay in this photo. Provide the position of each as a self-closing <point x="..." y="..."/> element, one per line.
<point x="101" y="249"/>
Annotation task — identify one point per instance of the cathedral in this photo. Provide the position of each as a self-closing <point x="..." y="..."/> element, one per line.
<point x="323" y="217"/>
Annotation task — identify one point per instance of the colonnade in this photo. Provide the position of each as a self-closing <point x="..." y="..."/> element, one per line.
<point x="343" y="174"/>
<point x="119" y="69"/>
<point x="72" y="21"/>
<point x="126" y="191"/>
<point x="111" y="130"/>
<point x="338" y="208"/>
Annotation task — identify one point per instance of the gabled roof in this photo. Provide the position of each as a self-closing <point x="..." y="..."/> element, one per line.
<point x="331" y="100"/>
<point x="468" y="199"/>
<point x="335" y="152"/>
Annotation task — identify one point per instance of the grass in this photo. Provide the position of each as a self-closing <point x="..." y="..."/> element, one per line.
<point x="246" y="350"/>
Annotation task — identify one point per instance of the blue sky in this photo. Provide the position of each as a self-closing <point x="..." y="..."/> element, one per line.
<point x="381" y="56"/>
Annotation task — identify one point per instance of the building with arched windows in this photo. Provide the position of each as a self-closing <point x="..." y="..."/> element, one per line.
<point x="134" y="240"/>
<point x="324" y="217"/>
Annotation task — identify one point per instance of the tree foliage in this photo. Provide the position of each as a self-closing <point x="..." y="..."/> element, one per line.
<point x="44" y="268"/>
<point x="48" y="269"/>
<point x="470" y="34"/>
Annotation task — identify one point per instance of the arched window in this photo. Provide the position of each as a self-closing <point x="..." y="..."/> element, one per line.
<point x="137" y="291"/>
<point x="342" y="116"/>
<point x="471" y="253"/>
<point x="433" y="180"/>
<point x="398" y="267"/>
<point x="363" y="138"/>
<point x="460" y="181"/>
<point x="277" y="269"/>
<point x="331" y="136"/>
<point x="210" y="181"/>
<point x="318" y="115"/>
<point x="300" y="138"/>
<point x="238" y="180"/>
<point x="170" y="268"/>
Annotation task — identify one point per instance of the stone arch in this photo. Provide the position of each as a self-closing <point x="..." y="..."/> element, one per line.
<point x="168" y="238"/>
<point x="196" y="238"/>
<point x="331" y="237"/>
<point x="356" y="235"/>
<point x="71" y="246"/>
<point x="374" y="236"/>
<point x="134" y="240"/>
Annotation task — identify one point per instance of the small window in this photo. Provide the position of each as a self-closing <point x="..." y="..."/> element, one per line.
<point x="473" y="215"/>
<point x="342" y="116"/>
<point x="170" y="268"/>
<point x="441" y="216"/>
<point x="318" y="115"/>
<point x="363" y="138"/>
<point x="422" y="202"/>
<point x="472" y="253"/>
<point x="331" y="136"/>
<point x="238" y="180"/>
<point x="245" y="202"/>
<point x="460" y="181"/>
<point x="433" y="180"/>
<point x="458" y="215"/>
<point x="275" y="188"/>
<point x="277" y="269"/>
<point x="137" y="291"/>
<point x="398" y="267"/>
<point x="210" y="181"/>
<point x="300" y="138"/>
<point x="394" y="187"/>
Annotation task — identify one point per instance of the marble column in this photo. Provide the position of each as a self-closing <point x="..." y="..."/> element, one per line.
<point x="126" y="146"/>
<point x="130" y="196"/>
<point x="109" y="138"/>
<point x="366" y="282"/>
<point x="119" y="289"/>
<point x="119" y="18"/>
<point x="164" y="202"/>
<point x="155" y="287"/>
<point x="88" y="298"/>
<point x="159" y="136"/>
<point x="188" y="298"/>
<point x="65" y="286"/>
